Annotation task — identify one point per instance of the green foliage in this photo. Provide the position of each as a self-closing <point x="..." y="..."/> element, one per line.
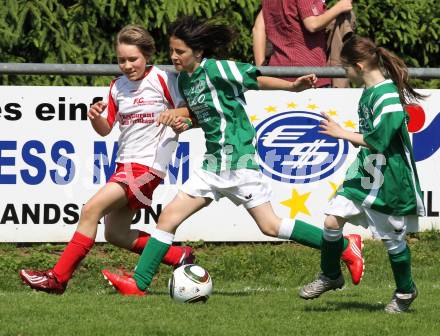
<point x="409" y="28"/>
<point x="82" y="31"/>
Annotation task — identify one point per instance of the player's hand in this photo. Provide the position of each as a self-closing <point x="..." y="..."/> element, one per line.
<point x="330" y="127"/>
<point x="96" y="110"/>
<point x="304" y="82"/>
<point x="166" y="117"/>
<point x="181" y="124"/>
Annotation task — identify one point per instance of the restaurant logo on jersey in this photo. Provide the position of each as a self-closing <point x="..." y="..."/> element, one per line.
<point x="292" y="150"/>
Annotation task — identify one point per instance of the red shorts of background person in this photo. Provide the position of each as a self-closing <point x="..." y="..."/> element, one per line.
<point x="139" y="183"/>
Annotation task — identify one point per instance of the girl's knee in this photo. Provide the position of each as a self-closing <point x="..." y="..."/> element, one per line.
<point x="331" y="223"/>
<point x="89" y="217"/>
<point x="88" y="212"/>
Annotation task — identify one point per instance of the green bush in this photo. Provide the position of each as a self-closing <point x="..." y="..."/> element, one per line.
<point x="409" y="28"/>
<point x="82" y="31"/>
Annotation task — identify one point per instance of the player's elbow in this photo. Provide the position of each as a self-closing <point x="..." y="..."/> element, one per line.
<point x="311" y="24"/>
<point x="103" y="132"/>
<point x="312" y="28"/>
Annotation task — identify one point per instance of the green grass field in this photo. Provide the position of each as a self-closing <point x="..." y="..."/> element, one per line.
<point x="255" y="293"/>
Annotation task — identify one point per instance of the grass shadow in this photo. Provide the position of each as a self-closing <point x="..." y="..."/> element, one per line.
<point x="337" y="305"/>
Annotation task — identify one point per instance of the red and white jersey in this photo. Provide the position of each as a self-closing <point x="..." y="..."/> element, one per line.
<point x="136" y="105"/>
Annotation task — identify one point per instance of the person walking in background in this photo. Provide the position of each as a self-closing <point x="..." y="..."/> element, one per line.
<point x="214" y="90"/>
<point x="296" y="30"/>
<point x="139" y="100"/>
<point x="389" y="200"/>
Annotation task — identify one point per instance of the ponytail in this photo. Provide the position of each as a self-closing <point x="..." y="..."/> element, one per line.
<point x="396" y="69"/>
<point x="361" y="49"/>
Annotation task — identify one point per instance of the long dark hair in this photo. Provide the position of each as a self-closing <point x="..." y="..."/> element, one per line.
<point x="361" y="49"/>
<point x="209" y="36"/>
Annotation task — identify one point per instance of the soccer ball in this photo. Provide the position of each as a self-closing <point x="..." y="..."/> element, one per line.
<point x="190" y="283"/>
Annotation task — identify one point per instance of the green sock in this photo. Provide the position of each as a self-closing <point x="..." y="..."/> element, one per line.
<point x="401" y="266"/>
<point x="309" y="235"/>
<point x="330" y="257"/>
<point x="149" y="262"/>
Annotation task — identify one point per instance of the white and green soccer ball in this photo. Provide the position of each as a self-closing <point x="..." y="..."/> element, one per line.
<point x="190" y="283"/>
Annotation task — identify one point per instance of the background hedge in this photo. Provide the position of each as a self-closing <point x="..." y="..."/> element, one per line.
<point x="61" y="31"/>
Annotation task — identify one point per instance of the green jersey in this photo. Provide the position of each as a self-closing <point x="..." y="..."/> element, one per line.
<point x="215" y="95"/>
<point x="384" y="178"/>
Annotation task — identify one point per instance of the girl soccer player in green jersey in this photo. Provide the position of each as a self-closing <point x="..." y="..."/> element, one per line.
<point x="214" y="92"/>
<point x="381" y="189"/>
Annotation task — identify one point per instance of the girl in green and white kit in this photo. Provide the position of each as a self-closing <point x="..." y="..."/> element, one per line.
<point x="214" y="92"/>
<point x="381" y="189"/>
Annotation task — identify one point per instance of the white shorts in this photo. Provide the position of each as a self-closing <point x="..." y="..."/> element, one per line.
<point x="243" y="186"/>
<point x="382" y="226"/>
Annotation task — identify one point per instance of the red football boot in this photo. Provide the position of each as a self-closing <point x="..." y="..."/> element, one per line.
<point x="44" y="281"/>
<point x="125" y="285"/>
<point x="188" y="257"/>
<point x="352" y="257"/>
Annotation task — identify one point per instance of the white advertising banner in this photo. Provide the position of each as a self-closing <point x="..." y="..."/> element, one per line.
<point x="52" y="162"/>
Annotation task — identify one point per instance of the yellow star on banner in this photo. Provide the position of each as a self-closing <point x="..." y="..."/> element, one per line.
<point x="332" y="113"/>
<point x="297" y="203"/>
<point x="253" y="117"/>
<point x="334" y="188"/>
<point x="291" y="105"/>
<point x="350" y="124"/>
<point x="271" y="109"/>
<point x="312" y="106"/>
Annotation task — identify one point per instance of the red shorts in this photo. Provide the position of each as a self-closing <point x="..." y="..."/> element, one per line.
<point x="139" y="182"/>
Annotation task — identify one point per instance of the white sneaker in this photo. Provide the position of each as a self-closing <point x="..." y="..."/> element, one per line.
<point x="321" y="285"/>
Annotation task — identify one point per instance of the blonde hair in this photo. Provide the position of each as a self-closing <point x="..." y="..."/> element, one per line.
<point x="138" y="36"/>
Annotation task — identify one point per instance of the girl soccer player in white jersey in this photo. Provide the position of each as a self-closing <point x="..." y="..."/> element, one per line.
<point x="139" y="101"/>
<point x="214" y="91"/>
<point x="393" y="200"/>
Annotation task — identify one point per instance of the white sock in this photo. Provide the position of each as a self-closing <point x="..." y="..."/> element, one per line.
<point x="332" y="235"/>
<point x="286" y="228"/>
<point x="163" y="236"/>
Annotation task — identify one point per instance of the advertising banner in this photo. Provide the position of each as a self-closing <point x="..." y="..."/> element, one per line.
<point x="52" y="162"/>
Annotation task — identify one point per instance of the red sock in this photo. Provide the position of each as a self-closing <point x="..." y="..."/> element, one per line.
<point x="172" y="257"/>
<point x="75" y="251"/>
